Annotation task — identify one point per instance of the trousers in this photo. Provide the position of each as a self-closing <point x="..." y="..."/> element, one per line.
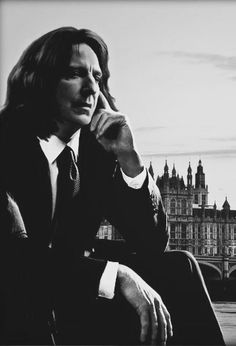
<point x="176" y="276"/>
<point x="36" y="311"/>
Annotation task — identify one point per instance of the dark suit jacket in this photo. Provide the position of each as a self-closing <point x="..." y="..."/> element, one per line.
<point x="138" y="214"/>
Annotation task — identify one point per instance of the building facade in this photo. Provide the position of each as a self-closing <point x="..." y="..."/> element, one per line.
<point x="195" y="225"/>
<point x="108" y="232"/>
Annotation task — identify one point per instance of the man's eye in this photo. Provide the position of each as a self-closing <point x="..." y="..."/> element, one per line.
<point x="98" y="78"/>
<point x="72" y="75"/>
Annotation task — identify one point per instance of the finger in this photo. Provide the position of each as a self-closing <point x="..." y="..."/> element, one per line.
<point x="95" y="120"/>
<point x="154" y="322"/>
<point x="102" y="102"/>
<point x="98" y="125"/>
<point x="110" y="125"/>
<point x="144" y="321"/>
<point x="168" y="320"/>
<point x="162" y="324"/>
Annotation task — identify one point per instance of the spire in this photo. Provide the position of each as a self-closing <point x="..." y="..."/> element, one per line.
<point x="173" y="171"/>
<point x="200" y="176"/>
<point x="182" y="185"/>
<point x="189" y="168"/>
<point x="189" y="176"/>
<point x="166" y="168"/>
<point x="214" y="210"/>
<point x="226" y="205"/>
<point x="150" y="169"/>
<point x="166" y="173"/>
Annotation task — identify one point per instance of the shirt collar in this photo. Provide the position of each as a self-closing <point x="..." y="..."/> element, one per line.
<point x="53" y="146"/>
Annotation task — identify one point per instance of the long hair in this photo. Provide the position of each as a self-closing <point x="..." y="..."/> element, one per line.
<point x="32" y="83"/>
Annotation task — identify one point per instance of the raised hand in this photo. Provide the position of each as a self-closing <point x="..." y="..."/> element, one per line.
<point x="111" y="128"/>
<point x="113" y="132"/>
<point x="154" y="317"/>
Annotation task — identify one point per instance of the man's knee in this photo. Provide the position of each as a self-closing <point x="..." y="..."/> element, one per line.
<point x="181" y="262"/>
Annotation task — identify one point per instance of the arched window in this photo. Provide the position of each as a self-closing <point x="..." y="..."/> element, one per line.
<point x="172" y="231"/>
<point x="184" y="206"/>
<point x="183" y="231"/>
<point x="211" y="232"/>
<point x="199" y="232"/>
<point x="172" y="206"/>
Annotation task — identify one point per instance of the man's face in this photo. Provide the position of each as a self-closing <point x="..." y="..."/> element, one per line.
<point x="78" y="90"/>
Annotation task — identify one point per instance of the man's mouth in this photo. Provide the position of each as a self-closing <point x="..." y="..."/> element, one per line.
<point x="83" y="105"/>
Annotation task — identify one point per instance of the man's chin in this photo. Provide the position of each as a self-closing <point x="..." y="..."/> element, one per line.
<point x="83" y="119"/>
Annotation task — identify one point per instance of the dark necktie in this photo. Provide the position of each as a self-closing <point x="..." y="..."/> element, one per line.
<point x="68" y="180"/>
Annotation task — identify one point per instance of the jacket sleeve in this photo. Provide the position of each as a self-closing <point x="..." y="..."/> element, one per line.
<point x="139" y="215"/>
<point x="22" y="260"/>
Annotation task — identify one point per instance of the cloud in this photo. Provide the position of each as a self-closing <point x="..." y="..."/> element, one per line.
<point x="222" y="139"/>
<point x="218" y="60"/>
<point x="149" y="128"/>
<point x="220" y="153"/>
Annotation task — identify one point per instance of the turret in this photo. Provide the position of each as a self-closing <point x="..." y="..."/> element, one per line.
<point x="166" y="169"/>
<point x="215" y="210"/>
<point x="173" y="171"/>
<point x="200" y="176"/>
<point x="226" y="208"/>
<point x="226" y="205"/>
<point x="150" y="169"/>
<point x="189" y="176"/>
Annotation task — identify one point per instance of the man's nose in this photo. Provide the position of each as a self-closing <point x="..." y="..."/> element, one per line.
<point x="89" y="87"/>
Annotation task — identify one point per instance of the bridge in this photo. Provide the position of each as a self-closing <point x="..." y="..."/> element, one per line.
<point x="219" y="273"/>
<point x="218" y="267"/>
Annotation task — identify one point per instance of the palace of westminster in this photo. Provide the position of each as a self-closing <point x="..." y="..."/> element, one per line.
<point x="194" y="225"/>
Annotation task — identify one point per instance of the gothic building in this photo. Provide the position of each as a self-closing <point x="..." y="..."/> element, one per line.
<point x="108" y="232"/>
<point x="195" y="225"/>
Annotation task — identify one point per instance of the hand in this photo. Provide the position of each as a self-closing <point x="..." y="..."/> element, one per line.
<point x="17" y="227"/>
<point x="113" y="132"/>
<point x="154" y="317"/>
<point x="111" y="128"/>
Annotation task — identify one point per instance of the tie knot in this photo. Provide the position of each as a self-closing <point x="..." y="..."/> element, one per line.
<point x="66" y="162"/>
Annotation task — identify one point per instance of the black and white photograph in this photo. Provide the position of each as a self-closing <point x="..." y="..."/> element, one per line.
<point x="117" y="175"/>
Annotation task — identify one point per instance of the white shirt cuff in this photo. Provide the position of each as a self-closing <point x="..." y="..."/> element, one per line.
<point x="136" y="182"/>
<point x="108" y="280"/>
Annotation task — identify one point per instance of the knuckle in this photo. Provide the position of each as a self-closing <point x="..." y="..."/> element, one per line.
<point x="155" y="325"/>
<point x="152" y="307"/>
<point x="157" y="304"/>
<point x="145" y="324"/>
<point x="147" y="304"/>
<point x="123" y="118"/>
<point x="168" y="316"/>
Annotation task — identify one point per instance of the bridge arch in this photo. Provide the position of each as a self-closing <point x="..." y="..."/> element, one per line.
<point x="232" y="270"/>
<point x="214" y="269"/>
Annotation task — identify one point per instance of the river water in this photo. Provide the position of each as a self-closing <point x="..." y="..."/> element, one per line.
<point x="226" y="313"/>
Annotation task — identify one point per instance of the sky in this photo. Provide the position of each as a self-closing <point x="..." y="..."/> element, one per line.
<point x="173" y="73"/>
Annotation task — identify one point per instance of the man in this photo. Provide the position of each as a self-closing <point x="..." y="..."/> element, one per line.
<point x="60" y="121"/>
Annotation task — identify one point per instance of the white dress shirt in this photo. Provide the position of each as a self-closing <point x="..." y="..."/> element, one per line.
<point x="52" y="148"/>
